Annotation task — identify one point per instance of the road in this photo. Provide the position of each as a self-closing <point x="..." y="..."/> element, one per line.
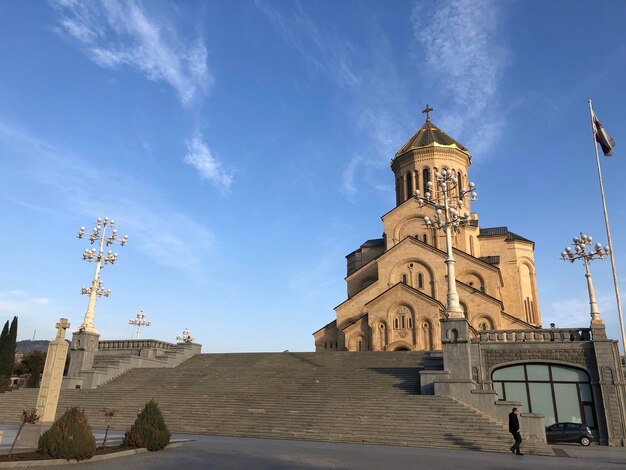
<point x="210" y="452"/>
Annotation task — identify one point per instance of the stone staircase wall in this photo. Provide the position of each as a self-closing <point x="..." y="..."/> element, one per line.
<point x="111" y="363"/>
<point x="369" y="397"/>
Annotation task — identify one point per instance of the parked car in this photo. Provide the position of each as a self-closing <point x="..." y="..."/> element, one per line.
<point x="569" y="432"/>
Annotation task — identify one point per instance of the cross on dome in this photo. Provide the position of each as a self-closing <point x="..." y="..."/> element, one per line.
<point x="427" y="111"/>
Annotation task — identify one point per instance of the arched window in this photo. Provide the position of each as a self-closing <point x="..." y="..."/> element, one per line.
<point x="483" y="326"/>
<point x="359" y="345"/>
<point x="560" y="393"/>
<point x="403" y="323"/>
<point x="395" y="323"/>
<point x="404" y="279"/>
<point x="425" y="178"/>
<point x="410" y="323"/>
<point x="409" y="185"/>
<point x="420" y="281"/>
<point x="427" y="336"/>
<point x="424" y="238"/>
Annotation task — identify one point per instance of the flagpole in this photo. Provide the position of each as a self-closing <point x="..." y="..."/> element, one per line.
<point x="608" y="230"/>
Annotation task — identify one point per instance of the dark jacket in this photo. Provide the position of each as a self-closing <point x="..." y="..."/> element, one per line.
<point x="513" y="422"/>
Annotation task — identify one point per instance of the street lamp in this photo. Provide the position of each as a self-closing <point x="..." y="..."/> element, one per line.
<point x="186" y="337"/>
<point x="449" y="215"/>
<point x="580" y="252"/>
<point x="139" y="322"/>
<point x="99" y="236"/>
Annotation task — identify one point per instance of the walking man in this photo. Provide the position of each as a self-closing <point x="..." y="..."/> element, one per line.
<point x="514" y="429"/>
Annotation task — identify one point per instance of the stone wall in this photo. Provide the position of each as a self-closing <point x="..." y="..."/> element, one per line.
<point x="110" y="359"/>
<point x="586" y="348"/>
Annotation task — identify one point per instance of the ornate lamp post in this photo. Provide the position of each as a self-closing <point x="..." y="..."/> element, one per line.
<point x="448" y="216"/>
<point x="580" y="252"/>
<point x="186" y="337"/>
<point x="139" y="322"/>
<point x="98" y="235"/>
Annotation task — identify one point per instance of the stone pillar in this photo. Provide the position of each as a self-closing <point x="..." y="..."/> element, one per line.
<point x="50" y="387"/>
<point x="84" y="347"/>
<point x="455" y="339"/>
<point x="612" y="403"/>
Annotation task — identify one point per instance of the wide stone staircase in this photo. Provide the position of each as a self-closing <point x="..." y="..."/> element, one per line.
<point x="369" y="397"/>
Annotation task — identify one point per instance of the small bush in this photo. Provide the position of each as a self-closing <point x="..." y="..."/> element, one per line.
<point x="149" y="429"/>
<point x="70" y="437"/>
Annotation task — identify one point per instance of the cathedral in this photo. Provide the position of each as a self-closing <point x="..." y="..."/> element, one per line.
<point x="397" y="284"/>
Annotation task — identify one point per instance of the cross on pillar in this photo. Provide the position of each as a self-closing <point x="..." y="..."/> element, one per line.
<point x="427" y="111"/>
<point x="62" y="325"/>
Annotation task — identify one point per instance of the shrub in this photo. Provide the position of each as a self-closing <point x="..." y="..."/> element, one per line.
<point x="70" y="437"/>
<point x="149" y="429"/>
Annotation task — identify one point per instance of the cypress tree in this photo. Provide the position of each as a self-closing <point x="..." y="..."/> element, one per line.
<point x="11" y="345"/>
<point x="4" y="337"/>
<point x="4" y="356"/>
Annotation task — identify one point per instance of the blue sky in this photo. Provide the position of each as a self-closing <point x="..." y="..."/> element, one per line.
<point x="244" y="147"/>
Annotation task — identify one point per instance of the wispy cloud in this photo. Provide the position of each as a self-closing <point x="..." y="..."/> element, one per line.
<point x="324" y="49"/>
<point x="347" y="179"/>
<point x="463" y="52"/>
<point x="115" y="34"/>
<point x="69" y="183"/>
<point x="200" y="157"/>
<point x="574" y="311"/>
<point x="30" y="310"/>
<point x="376" y="103"/>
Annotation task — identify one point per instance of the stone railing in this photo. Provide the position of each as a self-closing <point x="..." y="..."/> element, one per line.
<point x="134" y="344"/>
<point x="560" y="335"/>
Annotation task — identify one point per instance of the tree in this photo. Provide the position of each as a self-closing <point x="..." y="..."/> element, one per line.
<point x="109" y="414"/>
<point x="149" y="429"/>
<point x="33" y="364"/>
<point x="11" y="344"/>
<point x="70" y="437"/>
<point x="28" y="417"/>
<point x="5" y="373"/>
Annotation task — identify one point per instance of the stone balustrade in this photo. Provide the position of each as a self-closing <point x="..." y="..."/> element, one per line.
<point x="560" y="335"/>
<point x="134" y="344"/>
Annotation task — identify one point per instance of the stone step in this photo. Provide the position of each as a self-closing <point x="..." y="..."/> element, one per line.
<point x="338" y="397"/>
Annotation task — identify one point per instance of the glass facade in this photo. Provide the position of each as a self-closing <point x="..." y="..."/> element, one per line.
<point x="560" y="393"/>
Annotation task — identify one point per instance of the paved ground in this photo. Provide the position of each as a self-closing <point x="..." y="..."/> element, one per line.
<point x="207" y="452"/>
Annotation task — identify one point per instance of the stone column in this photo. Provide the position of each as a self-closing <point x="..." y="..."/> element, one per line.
<point x="83" y="352"/>
<point x="455" y="339"/>
<point x="50" y="388"/>
<point x="611" y="383"/>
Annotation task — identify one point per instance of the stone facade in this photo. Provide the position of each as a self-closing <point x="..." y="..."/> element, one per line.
<point x="396" y="285"/>
<point x="586" y="349"/>
<point x="93" y="363"/>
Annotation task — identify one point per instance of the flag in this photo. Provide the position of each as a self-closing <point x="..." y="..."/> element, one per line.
<point x="602" y="137"/>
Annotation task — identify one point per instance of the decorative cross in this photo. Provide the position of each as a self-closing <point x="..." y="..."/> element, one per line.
<point x="61" y="326"/>
<point x="427" y="111"/>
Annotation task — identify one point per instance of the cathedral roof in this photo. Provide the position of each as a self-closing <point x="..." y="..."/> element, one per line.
<point x="430" y="135"/>
<point x="494" y="231"/>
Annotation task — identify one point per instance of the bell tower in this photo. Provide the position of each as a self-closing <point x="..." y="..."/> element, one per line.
<point x="427" y="151"/>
